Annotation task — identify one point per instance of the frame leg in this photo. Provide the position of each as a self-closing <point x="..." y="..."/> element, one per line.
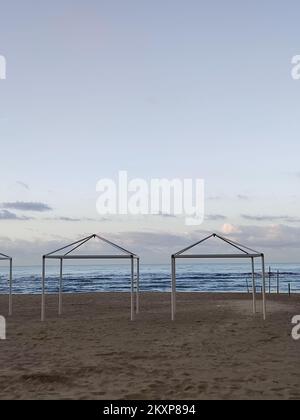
<point x="264" y="287"/>
<point x="132" y="289"/>
<point x="138" y="286"/>
<point x="173" y="293"/>
<point x="10" y="305"/>
<point x="60" y="288"/>
<point x="43" y="292"/>
<point x="253" y="286"/>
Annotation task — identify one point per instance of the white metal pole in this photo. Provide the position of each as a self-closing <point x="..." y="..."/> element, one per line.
<point x="138" y="286"/>
<point x="264" y="287"/>
<point x="10" y="306"/>
<point x="132" y="289"/>
<point x="175" y="281"/>
<point x="43" y="291"/>
<point x="173" y="292"/>
<point x="60" y="288"/>
<point x="253" y="286"/>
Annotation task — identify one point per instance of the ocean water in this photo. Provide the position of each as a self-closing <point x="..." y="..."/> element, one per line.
<point x="107" y="278"/>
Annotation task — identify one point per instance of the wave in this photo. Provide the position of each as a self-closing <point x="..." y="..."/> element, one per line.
<point x="153" y="278"/>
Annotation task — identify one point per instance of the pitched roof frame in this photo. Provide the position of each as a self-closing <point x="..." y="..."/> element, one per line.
<point x="61" y="255"/>
<point x="244" y="252"/>
<point x="4" y="257"/>
<point x="78" y="244"/>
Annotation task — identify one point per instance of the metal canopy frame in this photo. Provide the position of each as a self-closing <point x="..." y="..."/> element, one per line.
<point x="244" y="252"/>
<point x="61" y="256"/>
<point x="4" y="257"/>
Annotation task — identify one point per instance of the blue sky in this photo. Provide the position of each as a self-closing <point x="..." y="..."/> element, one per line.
<point x="160" y="89"/>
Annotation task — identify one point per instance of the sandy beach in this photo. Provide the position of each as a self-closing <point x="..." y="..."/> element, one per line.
<point x="215" y="350"/>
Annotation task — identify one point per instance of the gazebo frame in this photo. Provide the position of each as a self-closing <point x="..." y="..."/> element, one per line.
<point x="125" y="254"/>
<point x="4" y="257"/>
<point x="245" y="252"/>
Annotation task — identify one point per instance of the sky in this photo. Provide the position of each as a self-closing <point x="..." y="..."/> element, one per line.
<point x="173" y="89"/>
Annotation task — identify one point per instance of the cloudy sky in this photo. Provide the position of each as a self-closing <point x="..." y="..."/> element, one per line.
<point x="167" y="88"/>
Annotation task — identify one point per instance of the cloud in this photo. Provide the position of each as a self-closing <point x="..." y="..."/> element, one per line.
<point x="7" y="215"/>
<point x="66" y="219"/>
<point x="228" y="228"/>
<point x="215" y="217"/>
<point x="269" y="218"/>
<point x="278" y="242"/>
<point x="27" y="206"/>
<point x="274" y="236"/>
<point x="224" y="197"/>
<point x="22" y="184"/>
<point x="76" y="220"/>
<point x="153" y="246"/>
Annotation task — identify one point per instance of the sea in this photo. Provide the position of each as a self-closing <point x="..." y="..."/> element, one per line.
<point x="208" y="277"/>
